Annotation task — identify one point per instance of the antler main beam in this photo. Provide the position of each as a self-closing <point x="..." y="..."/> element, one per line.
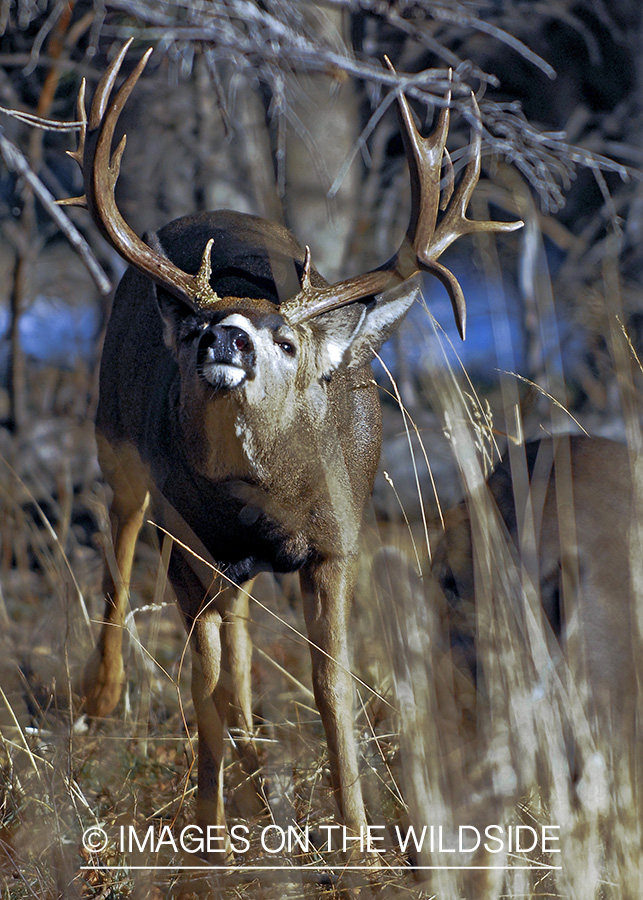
<point x="426" y="239"/>
<point x="100" y="173"/>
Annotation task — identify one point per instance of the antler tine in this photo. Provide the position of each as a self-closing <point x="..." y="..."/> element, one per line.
<point x="105" y="125"/>
<point x="424" y="157"/>
<point x="79" y="152"/>
<point x="81" y="113"/>
<point x="99" y="102"/>
<point x="306" y="285"/>
<point x="449" y="178"/>
<point x="455" y="221"/>
<point x="101" y="168"/>
<point x="106" y="84"/>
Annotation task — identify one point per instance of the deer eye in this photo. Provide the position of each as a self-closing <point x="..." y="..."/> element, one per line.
<point x="287" y="346"/>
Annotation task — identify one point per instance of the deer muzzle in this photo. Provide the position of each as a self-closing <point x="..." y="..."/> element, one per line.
<point x="226" y="355"/>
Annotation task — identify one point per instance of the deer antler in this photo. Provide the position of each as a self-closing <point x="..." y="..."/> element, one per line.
<point x="426" y="239"/>
<point x="100" y="172"/>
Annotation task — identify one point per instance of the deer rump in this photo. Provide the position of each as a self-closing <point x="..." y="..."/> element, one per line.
<point x="567" y="510"/>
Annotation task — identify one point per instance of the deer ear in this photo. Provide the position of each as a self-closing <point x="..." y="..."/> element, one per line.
<point x="173" y="311"/>
<point x="354" y="333"/>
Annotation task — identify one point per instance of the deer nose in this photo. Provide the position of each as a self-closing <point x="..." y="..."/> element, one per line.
<point x="227" y="344"/>
<point x="237" y="338"/>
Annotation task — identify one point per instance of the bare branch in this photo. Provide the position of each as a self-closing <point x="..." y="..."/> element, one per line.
<point x="271" y="40"/>
<point x="16" y="162"/>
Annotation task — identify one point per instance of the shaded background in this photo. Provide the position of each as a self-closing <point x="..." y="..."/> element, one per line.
<point x="284" y="109"/>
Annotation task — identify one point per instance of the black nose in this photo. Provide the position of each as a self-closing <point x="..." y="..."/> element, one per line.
<point x="226" y="344"/>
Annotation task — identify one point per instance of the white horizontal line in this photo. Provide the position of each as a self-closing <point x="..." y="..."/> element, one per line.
<point x="320" y="868"/>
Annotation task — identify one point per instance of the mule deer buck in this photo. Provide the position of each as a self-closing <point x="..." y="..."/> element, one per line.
<point x="235" y="389"/>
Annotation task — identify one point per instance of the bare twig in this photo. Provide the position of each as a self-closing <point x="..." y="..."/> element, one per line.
<point x="39" y="121"/>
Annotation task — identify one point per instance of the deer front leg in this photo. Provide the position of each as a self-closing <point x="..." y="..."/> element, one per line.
<point x="327" y="588"/>
<point x="221" y="691"/>
<point x="217" y="624"/>
<point x="104" y="674"/>
<point x="211" y="701"/>
<point x="201" y="604"/>
<point x="236" y="647"/>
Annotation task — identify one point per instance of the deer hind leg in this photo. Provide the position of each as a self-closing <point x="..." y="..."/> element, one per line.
<point x="104" y="674"/>
<point x="327" y="588"/>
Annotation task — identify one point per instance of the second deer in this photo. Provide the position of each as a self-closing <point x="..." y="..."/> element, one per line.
<point x="528" y="680"/>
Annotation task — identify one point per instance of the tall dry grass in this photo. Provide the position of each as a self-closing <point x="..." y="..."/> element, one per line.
<point x="531" y="746"/>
